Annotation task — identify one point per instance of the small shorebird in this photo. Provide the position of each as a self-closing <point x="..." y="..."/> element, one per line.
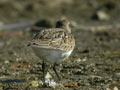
<point x="53" y="45"/>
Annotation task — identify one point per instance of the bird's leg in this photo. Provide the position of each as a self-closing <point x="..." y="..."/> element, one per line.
<point x="54" y="68"/>
<point x="44" y="70"/>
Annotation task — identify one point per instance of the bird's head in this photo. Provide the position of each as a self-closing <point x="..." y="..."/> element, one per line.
<point x="63" y="23"/>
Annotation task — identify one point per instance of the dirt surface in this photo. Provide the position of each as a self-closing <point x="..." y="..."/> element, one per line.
<point x="94" y="63"/>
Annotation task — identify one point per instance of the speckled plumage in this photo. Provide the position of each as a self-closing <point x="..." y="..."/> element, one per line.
<point x="54" y="45"/>
<point x="54" y="38"/>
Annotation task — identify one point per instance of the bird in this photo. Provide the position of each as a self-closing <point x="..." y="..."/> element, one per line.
<point x="53" y="45"/>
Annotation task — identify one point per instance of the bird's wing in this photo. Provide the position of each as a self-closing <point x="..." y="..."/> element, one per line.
<point x="54" y="39"/>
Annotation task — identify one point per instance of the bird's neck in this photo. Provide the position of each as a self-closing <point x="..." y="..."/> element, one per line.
<point x="67" y="28"/>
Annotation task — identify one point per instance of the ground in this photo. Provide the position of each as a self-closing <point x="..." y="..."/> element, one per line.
<point x="94" y="63"/>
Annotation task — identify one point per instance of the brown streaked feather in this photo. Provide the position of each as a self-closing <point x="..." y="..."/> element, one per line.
<point x="54" y="39"/>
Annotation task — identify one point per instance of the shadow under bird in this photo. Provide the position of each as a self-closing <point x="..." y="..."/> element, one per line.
<point x="53" y="45"/>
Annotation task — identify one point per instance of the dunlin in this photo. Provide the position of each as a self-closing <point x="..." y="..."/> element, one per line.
<point x="54" y="45"/>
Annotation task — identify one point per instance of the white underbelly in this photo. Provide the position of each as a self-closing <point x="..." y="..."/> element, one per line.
<point x="51" y="55"/>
